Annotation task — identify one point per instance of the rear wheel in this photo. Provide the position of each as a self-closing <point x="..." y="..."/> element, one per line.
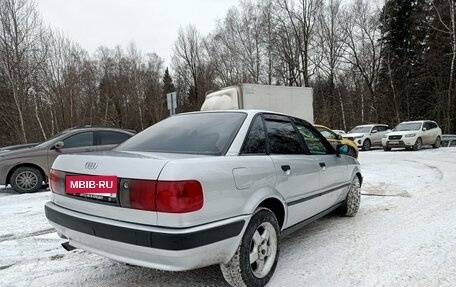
<point x="418" y="144"/>
<point x="26" y="179"/>
<point x="255" y="260"/>
<point x="437" y="142"/>
<point x="367" y="144"/>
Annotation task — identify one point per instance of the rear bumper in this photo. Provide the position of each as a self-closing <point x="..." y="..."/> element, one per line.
<point x="155" y="247"/>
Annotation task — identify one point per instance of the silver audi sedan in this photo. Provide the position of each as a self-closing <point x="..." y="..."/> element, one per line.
<point x="203" y="188"/>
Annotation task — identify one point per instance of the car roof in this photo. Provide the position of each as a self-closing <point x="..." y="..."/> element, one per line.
<point x="247" y="111"/>
<point x="418" y="121"/>
<point x="98" y="128"/>
<point x="370" y="125"/>
<point x="321" y="126"/>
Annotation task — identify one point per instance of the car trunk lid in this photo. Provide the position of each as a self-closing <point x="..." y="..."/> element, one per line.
<point x="123" y="168"/>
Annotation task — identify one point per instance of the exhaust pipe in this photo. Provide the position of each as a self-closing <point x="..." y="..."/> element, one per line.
<point x="67" y="246"/>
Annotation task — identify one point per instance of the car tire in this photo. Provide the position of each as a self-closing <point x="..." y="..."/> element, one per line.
<point x="418" y="144"/>
<point x="26" y="179"/>
<point x="255" y="260"/>
<point x="385" y="148"/>
<point x="366" y="145"/>
<point x="437" y="142"/>
<point x="352" y="152"/>
<point x="351" y="203"/>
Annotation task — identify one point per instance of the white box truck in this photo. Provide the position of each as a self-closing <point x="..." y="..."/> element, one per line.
<point x="295" y="101"/>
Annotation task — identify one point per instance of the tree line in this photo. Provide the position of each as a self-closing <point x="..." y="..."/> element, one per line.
<point x="366" y="63"/>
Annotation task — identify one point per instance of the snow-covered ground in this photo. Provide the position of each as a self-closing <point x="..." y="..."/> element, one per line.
<point x="404" y="235"/>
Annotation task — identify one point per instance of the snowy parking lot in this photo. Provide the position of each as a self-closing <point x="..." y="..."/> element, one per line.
<point x="403" y="235"/>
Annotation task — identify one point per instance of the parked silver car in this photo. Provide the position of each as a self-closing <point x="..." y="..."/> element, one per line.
<point x="26" y="169"/>
<point x="203" y="188"/>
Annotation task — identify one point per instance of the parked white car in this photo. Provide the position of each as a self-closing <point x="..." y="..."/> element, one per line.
<point x="413" y="135"/>
<point x="203" y="188"/>
<point x="367" y="136"/>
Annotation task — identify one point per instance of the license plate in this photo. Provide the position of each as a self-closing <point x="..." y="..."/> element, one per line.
<point x="393" y="142"/>
<point x="87" y="184"/>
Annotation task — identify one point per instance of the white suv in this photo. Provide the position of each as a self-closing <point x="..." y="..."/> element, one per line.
<point x="413" y="135"/>
<point x="366" y="136"/>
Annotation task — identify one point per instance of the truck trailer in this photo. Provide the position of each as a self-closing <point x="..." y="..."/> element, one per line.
<point x="295" y="101"/>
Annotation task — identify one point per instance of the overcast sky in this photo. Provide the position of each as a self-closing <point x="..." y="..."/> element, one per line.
<point x="151" y="24"/>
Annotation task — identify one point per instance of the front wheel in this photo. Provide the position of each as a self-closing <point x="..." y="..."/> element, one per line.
<point x="418" y="144"/>
<point x="26" y="179"/>
<point x="385" y="148"/>
<point x="255" y="260"/>
<point x="352" y="152"/>
<point x="352" y="201"/>
<point x="366" y="145"/>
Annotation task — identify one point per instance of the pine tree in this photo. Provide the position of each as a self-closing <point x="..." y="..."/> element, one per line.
<point x="403" y="34"/>
<point x="168" y="86"/>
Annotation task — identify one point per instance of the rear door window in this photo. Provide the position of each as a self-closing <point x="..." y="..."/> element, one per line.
<point x="111" y="137"/>
<point x="283" y="137"/>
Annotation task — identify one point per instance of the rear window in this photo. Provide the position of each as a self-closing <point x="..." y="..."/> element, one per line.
<point x="201" y="133"/>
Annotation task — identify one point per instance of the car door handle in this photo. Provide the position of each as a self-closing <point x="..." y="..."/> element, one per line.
<point x="286" y="168"/>
<point x="322" y="165"/>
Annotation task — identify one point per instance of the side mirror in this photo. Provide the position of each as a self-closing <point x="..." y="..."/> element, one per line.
<point x="58" y="145"/>
<point x="374" y="131"/>
<point x="341" y="149"/>
<point x="424" y="129"/>
<point x="339" y="137"/>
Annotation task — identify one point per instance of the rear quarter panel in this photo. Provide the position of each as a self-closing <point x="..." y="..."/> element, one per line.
<point x="232" y="186"/>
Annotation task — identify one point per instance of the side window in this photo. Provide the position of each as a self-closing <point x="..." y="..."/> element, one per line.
<point x="109" y="137"/>
<point x="381" y="128"/>
<point x="255" y="142"/>
<point x="79" y="140"/>
<point x="315" y="143"/>
<point x="283" y="138"/>
<point x="432" y="125"/>
<point x="427" y="125"/>
<point x="327" y="134"/>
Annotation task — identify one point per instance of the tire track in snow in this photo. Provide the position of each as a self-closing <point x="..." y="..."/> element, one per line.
<point x="9" y="237"/>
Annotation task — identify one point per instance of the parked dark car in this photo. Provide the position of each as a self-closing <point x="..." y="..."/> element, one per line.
<point x="26" y="169"/>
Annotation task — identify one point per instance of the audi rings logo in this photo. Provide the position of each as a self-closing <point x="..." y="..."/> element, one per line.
<point x="91" y="165"/>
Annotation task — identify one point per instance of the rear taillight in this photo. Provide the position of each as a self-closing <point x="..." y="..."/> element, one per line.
<point x="57" y="181"/>
<point x="142" y="194"/>
<point x="162" y="196"/>
<point x="179" y="196"/>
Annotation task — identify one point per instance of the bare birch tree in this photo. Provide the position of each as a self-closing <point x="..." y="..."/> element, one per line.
<point x="21" y="53"/>
<point x="360" y="27"/>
